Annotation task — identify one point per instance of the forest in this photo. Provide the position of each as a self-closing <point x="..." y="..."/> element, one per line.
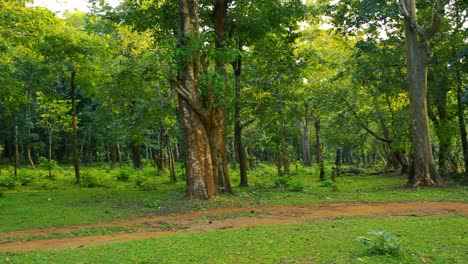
<point x="232" y="110"/>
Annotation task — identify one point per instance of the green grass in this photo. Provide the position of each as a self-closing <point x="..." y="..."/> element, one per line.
<point x="25" y="207"/>
<point x="430" y="239"/>
<point x="92" y="231"/>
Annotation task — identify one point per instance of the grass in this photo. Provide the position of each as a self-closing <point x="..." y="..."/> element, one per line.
<point x="35" y="200"/>
<point x="92" y="231"/>
<point x="26" y="207"/>
<point x="429" y="239"/>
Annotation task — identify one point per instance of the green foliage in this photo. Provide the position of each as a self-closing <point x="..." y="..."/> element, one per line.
<point x="382" y="243"/>
<point x="46" y="184"/>
<point x="91" y="180"/>
<point x="328" y="183"/>
<point x="289" y="184"/>
<point x="152" y="203"/>
<point x="124" y="175"/>
<point x="8" y="182"/>
<point x="45" y="164"/>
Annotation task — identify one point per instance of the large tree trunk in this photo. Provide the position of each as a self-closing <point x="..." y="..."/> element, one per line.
<point x="423" y="172"/>
<point x="76" y="161"/>
<point x="198" y="160"/>
<point x="217" y="126"/>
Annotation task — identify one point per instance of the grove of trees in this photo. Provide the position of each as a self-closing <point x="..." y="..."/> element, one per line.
<point x="213" y="84"/>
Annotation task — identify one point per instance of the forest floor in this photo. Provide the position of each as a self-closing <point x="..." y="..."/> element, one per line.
<point x="214" y="219"/>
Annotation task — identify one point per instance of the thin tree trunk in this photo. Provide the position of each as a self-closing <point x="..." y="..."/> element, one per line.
<point x="461" y="120"/>
<point x="16" y="156"/>
<point x="319" y="150"/>
<point x="283" y="147"/>
<point x="240" y="150"/>
<point x="76" y="161"/>
<point x="424" y="171"/>
<point x="305" y="137"/>
<point x="49" y="157"/>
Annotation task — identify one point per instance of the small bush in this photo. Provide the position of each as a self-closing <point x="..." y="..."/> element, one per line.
<point x="44" y="164"/>
<point x="147" y="185"/>
<point x="8" y="182"/>
<point x="289" y="184"/>
<point x="328" y="183"/>
<point x="124" y="175"/>
<point x="45" y="184"/>
<point x="151" y="203"/>
<point x="89" y="180"/>
<point x="296" y="186"/>
<point x="282" y="182"/>
<point x="382" y="243"/>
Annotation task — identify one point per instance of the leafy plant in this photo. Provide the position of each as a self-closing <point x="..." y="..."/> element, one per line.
<point x="382" y="243"/>
<point x="328" y="183"/>
<point x="124" y="175"/>
<point x="8" y="182"/>
<point x="91" y="181"/>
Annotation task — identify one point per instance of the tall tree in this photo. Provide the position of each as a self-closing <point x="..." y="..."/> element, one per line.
<point x="423" y="170"/>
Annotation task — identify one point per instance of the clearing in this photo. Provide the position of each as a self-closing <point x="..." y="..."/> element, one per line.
<point x="217" y="219"/>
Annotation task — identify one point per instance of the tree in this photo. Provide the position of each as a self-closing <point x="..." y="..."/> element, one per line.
<point x="351" y="16"/>
<point x="423" y="171"/>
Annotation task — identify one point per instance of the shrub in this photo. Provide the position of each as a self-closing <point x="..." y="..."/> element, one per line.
<point x="151" y="203"/>
<point x="44" y="164"/>
<point x="45" y="184"/>
<point x="289" y="184"/>
<point x="89" y="180"/>
<point x="296" y="186"/>
<point x="382" y="243"/>
<point x="124" y="175"/>
<point x="328" y="183"/>
<point x="8" y="182"/>
<point x="282" y="182"/>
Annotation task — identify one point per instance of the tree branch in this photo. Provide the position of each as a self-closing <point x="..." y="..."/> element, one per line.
<point x="187" y="97"/>
<point x="411" y="19"/>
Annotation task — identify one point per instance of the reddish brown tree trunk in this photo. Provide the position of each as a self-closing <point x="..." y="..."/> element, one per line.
<point x="198" y="160"/>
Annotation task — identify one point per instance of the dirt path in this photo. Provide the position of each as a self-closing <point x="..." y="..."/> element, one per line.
<point x="224" y="218"/>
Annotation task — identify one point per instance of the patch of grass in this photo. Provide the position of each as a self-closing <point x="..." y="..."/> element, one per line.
<point x="314" y="242"/>
<point x="92" y="231"/>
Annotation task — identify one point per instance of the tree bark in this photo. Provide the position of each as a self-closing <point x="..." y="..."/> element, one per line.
<point x="423" y="171"/>
<point x="76" y="161"/>
<point x="198" y="160"/>
<point x="217" y="126"/>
